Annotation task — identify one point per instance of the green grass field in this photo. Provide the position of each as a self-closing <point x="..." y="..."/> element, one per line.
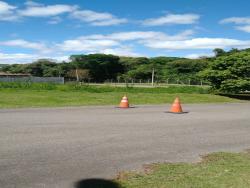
<point x="16" y="95"/>
<point x="217" y="170"/>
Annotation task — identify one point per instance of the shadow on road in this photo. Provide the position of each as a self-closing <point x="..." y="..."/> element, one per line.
<point x="96" y="183"/>
<point x="237" y="96"/>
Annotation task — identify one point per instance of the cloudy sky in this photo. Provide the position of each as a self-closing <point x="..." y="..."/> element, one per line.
<point x="185" y="28"/>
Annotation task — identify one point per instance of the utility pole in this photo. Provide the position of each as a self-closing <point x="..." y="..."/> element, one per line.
<point x="153" y="76"/>
<point x="77" y="76"/>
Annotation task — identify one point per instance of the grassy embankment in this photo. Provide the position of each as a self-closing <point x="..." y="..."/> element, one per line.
<point x="217" y="170"/>
<point x="15" y="95"/>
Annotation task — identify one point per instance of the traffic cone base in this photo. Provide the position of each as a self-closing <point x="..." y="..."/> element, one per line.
<point x="176" y="112"/>
<point x="125" y="107"/>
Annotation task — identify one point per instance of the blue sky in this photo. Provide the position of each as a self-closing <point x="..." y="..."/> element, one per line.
<point x="56" y="29"/>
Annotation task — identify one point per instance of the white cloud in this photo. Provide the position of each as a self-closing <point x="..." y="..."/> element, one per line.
<point x="55" y="20"/>
<point x="121" y="51"/>
<point x="182" y="35"/>
<point x="5" y="7"/>
<point x="17" y="58"/>
<point x="26" y="44"/>
<point x="7" y="12"/>
<point x="97" y="18"/>
<point x="114" y="41"/>
<point x="172" y="19"/>
<point x="46" y="11"/>
<point x="32" y="3"/>
<point x="127" y="36"/>
<point x="113" y="21"/>
<point x="198" y="55"/>
<point x="243" y="23"/>
<point x="245" y="28"/>
<point x="8" y="17"/>
<point x="90" y="16"/>
<point x="122" y="43"/>
<point x="34" y="9"/>
<point x="28" y="58"/>
<point x="136" y="35"/>
<point x="236" y="20"/>
<point x="81" y="44"/>
<point x="140" y="35"/>
<point x="61" y="58"/>
<point x="198" y="43"/>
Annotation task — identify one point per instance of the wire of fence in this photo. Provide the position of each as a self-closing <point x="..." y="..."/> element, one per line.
<point x="190" y="82"/>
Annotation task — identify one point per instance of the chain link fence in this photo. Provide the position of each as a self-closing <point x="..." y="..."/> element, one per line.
<point x="170" y="81"/>
<point x="32" y="79"/>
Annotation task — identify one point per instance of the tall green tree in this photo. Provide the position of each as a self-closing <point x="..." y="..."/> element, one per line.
<point x="135" y="67"/>
<point x="229" y="73"/>
<point x="41" y="67"/>
<point x="15" y="68"/>
<point x="101" y="67"/>
<point x="185" y="68"/>
<point x="219" y="52"/>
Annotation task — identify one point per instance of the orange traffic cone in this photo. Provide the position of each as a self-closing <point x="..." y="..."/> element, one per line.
<point x="176" y="107"/>
<point x="124" y="102"/>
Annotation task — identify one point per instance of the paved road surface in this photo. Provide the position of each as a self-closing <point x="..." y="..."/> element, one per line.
<point x="53" y="148"/>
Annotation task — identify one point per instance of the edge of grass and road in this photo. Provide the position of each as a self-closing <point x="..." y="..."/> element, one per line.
<point x="21" y="95"/>
<point x="216" y="170"/>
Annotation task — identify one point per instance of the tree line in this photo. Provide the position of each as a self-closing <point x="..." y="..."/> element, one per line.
<point x="226" y="71"/>
<point x="102" y="67"/>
